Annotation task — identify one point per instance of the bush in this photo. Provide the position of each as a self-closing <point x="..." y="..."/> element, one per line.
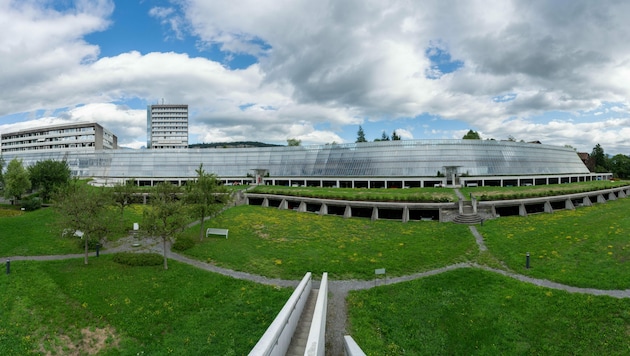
<point x="183" y="243"/>
<point x="92" y="243"/>
<point x="138" y="259"/>
<point x="31" y="204"/>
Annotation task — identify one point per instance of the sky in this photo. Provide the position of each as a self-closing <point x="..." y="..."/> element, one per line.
<point x="557" y="71"/>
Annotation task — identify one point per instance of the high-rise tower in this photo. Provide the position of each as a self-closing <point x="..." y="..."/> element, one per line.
<point x="167" y="126"/>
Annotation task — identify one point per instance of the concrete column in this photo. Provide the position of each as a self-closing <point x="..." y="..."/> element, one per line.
<point x="405" y="216"/>
<point x="601" y="199"/>
<point x="586" y="201"/>
<point x="348" y="212"/>
<point x="302" y="208"/>
<point x="622" y="194"/>
<point x="323" y="210"/>
<point x="265" y="203"/>
<point x="612" y="196"/>
<point x="284" y="205"/>
<point x="374" y="213"/>
<point x="548" y="208"/>
<point x="521" y="210"/>
<point x="568" y="204"/>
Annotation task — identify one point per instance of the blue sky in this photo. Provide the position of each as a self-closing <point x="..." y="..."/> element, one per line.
<point x="316" y="71"/>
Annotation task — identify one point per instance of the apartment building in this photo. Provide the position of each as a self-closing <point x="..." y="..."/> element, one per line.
<point x="84" y="136"/>
<point x="167" y="126"/>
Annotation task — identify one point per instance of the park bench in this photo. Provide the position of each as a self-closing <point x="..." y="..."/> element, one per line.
<point x="212" y="231"/>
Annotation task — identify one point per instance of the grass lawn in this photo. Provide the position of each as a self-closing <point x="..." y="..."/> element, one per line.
<point x="586" y="247"/>
<point x="407" y="195"/>
<point x="34" y="233"/>
<point x="286" y="244"/>
<point x="31" y="233"/>
<point x="473" y="312"/>
<point x="57" y="306"/>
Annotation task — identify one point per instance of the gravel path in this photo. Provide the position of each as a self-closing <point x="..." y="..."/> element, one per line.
<point x="336" y="321"/>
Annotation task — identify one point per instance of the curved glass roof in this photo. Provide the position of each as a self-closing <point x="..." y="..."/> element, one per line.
<point x="409" y="158"/>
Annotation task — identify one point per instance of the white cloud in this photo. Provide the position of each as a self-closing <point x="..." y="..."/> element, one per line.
<point x="336" y="64"/>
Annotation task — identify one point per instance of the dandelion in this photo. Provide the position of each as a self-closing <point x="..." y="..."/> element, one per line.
<point x="549" y="294"/>
<point x="278" y="261"/>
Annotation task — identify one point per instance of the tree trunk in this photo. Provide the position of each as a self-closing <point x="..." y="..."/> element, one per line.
<point x="85" y="259"/>
<point x="165" y="260"/>
<point x="201" y="228"/>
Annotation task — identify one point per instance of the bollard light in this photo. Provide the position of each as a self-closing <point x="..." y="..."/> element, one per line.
<point x="8" y="266"/>
<point x="527" y="261"/>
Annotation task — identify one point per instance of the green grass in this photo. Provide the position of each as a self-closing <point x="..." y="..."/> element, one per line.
<point x="586" y="247"/>
<point x="502" y="193"/>
<point x="402" y="195"/>
<point x="287" y="244"/>
<point x="473" y="312"/>
<point x="46" y="306"/>
<point x="32" y="233"/>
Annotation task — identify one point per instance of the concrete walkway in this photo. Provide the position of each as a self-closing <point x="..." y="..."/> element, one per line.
<point x="337" y="308"/>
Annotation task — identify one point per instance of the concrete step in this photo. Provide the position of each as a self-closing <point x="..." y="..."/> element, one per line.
<point x="467" y="219"/>
<point x="298" y="341"/>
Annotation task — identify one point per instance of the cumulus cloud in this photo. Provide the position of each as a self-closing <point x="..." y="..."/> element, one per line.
<point x="502" y="68"/>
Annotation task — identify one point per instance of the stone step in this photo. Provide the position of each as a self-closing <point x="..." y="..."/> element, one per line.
<point x="300" y="337"/>
<point x="467" y="219"/>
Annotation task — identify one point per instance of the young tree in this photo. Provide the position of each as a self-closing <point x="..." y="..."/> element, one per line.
<point x="48" y="175"/>
<point x="16" y="180"/>
<point x="122" y="195"/>
<point x="1" y="174"/>
<point x="395" y="136"/>
<point x="205" y="196"/>
<point x="471" y="135"/>
<point x="84" y="209"/>
<point x="620" y="165"/>
<point x="166" y="214"/>
<point x="361" y="135"/>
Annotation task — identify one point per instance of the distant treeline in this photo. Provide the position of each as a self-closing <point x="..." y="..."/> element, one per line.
<point x="240" y="144"/>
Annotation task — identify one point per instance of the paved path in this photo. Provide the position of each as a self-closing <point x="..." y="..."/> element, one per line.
<point x="337" y="309"/>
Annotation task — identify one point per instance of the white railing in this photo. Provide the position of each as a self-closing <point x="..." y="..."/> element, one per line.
<point x="275" y="341"/>
<point x="316" y="342"/>
<point x="351" y="347"/>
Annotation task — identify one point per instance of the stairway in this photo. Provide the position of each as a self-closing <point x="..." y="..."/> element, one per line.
<point x="298" y="342"/>
<point x="468" y="215"/>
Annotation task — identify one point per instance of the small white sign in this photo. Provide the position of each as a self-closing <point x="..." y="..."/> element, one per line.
<point x="135" y="227"/>
<point x="379" y="271"/>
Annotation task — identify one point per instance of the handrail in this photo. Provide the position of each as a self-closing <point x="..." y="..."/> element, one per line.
<point x="316" y="342"/>
<point x="276" y="340"/>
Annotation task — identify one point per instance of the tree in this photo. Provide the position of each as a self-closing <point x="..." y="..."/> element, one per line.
<point x="384" y="137"/>
<point x="48" y="175"/>
<point x="294" y="142"/>
<point x="620" y="166"/>
<point x="83" y="211"/>
<point x="205" y="196"/>
<point x="471" y="135"/>
<point x="16" y="180"/>
<point x="395" y="136"/>
<point x="361" y="135"/>
<point x="122" y="195"/>
<point x="166" y="215"/>
<point x="599" y="159"/>
<point x="1" y="174"/>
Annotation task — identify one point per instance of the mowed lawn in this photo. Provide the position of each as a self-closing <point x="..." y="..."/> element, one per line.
<point x="287" y="244"/>
<point x="475" y="312"/>
<point x="59" y="307"/>
<point x="585" y="247"/>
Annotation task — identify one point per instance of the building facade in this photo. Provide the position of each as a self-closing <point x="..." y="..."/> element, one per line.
<point x="385" y="164"/>
<point x="167" y="126"/>
<point x="76" y="137"/>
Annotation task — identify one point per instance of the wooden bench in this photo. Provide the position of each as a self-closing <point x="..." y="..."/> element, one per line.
<point x="212" y="231"/>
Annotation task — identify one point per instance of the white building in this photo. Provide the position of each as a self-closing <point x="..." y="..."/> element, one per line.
<point x="167" y="126"/>
<point x="75" y="137"/>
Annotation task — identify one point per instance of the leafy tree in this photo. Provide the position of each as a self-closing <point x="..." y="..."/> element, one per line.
<point x="294" y="142"/>
<point x="16" y="180"/>
<point x="48" y="175"/>
<point x="471" y="135"/>
<point x="361" y="135"/>
<point x="620" y="166"/>
<point x="395" y="136"/>
<point x="599" y="159"/>
<point x="122" y="196"/>
<point x="205" y="196"/>
<point x="166" y="214"/>
<point x="83" y="208"/>
<point x="1" y="170"/>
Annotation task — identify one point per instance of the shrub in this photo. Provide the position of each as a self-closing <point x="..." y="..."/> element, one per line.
<point x="183" y="243"/>
<point x="138" y="259"/>
<point x="31" y="204"/>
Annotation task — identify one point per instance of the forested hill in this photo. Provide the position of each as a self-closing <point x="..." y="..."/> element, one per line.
<point x="240" y="144"/>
